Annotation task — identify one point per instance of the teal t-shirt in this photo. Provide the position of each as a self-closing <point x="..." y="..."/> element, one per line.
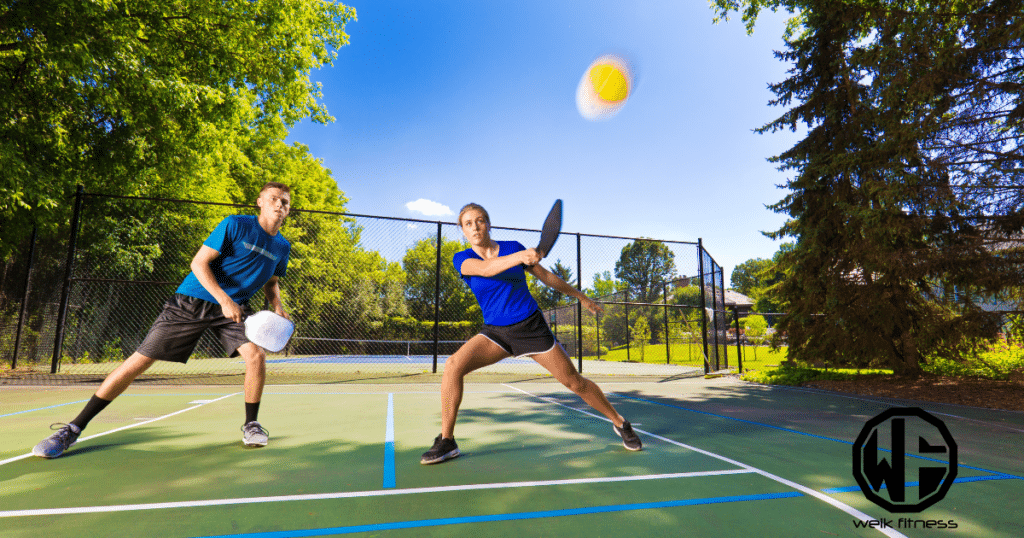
<point x="504" y="298"/>
<point x="249" y="257"/>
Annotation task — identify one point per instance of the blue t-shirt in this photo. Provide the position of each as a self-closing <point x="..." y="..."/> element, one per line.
<point x="249" y="257"/>
<point x="504" y="298"/>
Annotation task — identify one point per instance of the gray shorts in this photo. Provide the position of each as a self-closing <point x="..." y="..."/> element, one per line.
<point x="177" y="329"/>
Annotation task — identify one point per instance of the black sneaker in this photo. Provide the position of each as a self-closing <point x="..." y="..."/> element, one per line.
<point x="629" y="437"/>
<point x="443" y="450"/>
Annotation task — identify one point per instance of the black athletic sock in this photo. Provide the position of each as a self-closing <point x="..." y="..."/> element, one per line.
<point x="93" y="408"/>
<point x="251" y="410"/>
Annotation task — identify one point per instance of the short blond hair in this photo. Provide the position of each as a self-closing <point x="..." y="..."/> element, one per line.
<point x="470" y="206"/>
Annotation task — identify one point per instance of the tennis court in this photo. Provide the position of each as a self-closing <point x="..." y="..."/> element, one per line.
<point x="721" y="457"/>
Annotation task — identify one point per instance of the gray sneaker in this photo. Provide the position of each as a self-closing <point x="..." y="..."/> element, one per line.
<point x="630" y="439"/>
<point x="254" y="435"/>
<point x="55" y="445"/>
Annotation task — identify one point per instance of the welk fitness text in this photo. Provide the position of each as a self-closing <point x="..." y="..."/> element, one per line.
<point x="905" y="523"/>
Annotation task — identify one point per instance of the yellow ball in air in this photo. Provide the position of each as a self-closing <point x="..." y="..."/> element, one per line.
<point x="609" y="82"/>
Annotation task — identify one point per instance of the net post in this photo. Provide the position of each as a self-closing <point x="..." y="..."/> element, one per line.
<point x="24" y="297"/>
<point x="437" y="294"/>
<point x="65" y="294"/>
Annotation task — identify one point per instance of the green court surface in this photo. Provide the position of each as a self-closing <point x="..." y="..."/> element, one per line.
<point x="721" y="458"/>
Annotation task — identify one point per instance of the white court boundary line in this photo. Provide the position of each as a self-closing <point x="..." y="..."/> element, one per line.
<point x="122" y="428"/>
<point x="356" y="494"/>
<point x="803" y="489"/>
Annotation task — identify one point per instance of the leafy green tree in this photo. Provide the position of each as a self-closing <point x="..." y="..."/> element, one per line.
<point x="641" y="335"/>
<point x="748" y="277"/>
<point x="605" y="285"/>
<point x="755" y="328"/>
<point x="909" y="170"/>
<point x="546" y="297"/>
<point x="643" y="265"/>
<point x="124" y="99"/>
<point x="456" y="299"/>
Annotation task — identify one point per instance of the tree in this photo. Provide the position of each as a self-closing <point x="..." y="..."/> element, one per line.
<point x="643" y="266"/>
<point x="456" y="299"/>
<point x="605" y="285"/>
<point x="747" y="278"/>
<point x="756" y="330"/>
<point x="124" y="99"/>
<point x="909" y="170"/>
<point x="548" y="298"/>
<point x="641" y="335"/>
<point x="756" y="277"/>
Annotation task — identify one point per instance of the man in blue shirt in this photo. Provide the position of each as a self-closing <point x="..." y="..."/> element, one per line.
<point x="243" y="254"/>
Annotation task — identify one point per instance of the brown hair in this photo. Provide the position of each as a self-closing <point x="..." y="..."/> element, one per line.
<point x="471" y="206"/>
<point x="276" y="185"/>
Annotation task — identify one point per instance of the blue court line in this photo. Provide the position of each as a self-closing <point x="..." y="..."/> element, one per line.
<point x="509" y="517"/>
<point x="41" y="408"/>
<point x="849" y="489"/>
<point x="389" y="445"/>
<point x="780" y="428"/>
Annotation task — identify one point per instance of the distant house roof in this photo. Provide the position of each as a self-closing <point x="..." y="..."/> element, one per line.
<point x="737" y="299"/>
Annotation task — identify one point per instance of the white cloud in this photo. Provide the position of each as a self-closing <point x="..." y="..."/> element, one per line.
<point x="411" y="226"/>
<point x="428" y="208"/>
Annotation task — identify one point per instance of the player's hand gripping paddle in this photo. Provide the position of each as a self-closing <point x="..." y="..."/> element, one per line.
<point x="552" y="227"/>
<point x="269" y="330"/>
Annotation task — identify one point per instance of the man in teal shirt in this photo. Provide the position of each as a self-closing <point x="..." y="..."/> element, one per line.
<point x="242" y="255"/>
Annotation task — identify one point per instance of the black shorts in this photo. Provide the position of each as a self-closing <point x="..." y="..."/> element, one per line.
<point x="177" y="329"/>
<point x="532" y="336"/>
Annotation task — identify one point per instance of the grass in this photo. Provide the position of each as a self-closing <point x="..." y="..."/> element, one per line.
<point x="693" y="353"/>
<point x="996" y="363"/>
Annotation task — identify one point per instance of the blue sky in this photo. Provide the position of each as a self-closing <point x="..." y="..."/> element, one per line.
<point x="453" y="102"/>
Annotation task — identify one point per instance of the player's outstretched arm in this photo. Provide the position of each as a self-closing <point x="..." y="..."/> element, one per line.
<point x="555" y="282"/>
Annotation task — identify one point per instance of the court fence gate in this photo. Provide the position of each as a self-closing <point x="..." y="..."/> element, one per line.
<point x="373" y="297"/>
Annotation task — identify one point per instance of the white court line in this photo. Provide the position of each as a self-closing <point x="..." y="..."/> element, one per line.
<point x="122" y="428"/>
<point x="804" y="489"/>
<point x="355" y="494"/>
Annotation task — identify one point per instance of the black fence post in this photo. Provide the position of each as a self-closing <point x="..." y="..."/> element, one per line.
<point x="24" y="297"/>
<point x="739" y="347"/>
<point x="668" y="350"/>
<point x="629" y="344"/>
<point x="437" y="295"/>
<point x="714" y="315"/>
<point x="579" y="305"/>
<point x="65" y="294"/>
<point x="703" y="305"/>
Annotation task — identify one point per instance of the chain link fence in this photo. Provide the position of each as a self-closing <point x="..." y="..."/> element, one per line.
<point x="373" y="298"/>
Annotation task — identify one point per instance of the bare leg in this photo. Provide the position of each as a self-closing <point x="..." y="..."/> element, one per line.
<point x="478" y="352"/>
<point x="122" y="376"/>
<point x="255" y="371"/>
<point x="558" y="363"/>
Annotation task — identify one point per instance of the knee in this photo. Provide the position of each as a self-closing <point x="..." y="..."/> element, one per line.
<point x="453" y="365"/>
<point x="576" y="383"/>
<point x="257" y="355"/>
